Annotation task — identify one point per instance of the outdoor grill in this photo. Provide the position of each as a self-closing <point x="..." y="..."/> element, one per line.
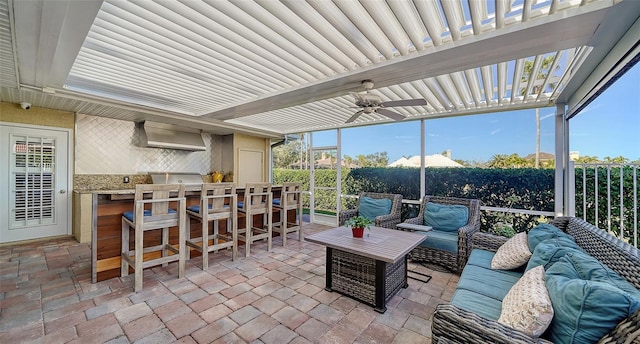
<point x="187" y="178"/>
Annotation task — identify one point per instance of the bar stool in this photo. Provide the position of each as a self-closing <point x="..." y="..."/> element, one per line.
<point x="218" y="201"/>
<point x="290" y="198"/>
<point x="160" y="216"/>
<point x="257" y="200"/>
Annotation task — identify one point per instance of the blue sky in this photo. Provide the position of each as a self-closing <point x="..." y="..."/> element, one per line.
<point x="609" y="126"/>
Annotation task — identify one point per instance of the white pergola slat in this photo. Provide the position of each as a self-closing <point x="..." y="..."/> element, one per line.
<point x="288" y="66"/>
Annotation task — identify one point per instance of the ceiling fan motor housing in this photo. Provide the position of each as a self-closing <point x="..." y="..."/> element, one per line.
<point x="367" y="100"/>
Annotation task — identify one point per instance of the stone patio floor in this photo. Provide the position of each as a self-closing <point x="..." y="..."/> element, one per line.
<point x="46" y="296"/>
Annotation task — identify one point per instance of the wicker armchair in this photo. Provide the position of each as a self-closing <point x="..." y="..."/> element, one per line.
<point x="386" y="221"/>
<point x="452" y="261"/>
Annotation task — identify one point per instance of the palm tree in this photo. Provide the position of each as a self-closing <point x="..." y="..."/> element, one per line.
<point x="542" y="74"/>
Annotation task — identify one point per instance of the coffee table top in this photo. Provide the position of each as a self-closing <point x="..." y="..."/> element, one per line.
<point x="383" y="244"/>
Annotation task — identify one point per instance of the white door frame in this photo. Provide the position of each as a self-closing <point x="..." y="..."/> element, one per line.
<point x="69" y="167"/>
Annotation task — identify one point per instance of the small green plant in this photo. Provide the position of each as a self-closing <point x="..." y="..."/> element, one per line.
<point x="358" y="222"/>
<point x="504" y="230"/>
<point x="504" y="225"/>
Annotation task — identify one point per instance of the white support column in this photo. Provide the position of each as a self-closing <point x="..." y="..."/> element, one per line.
<point x="423" y="184"/>
<point x="560" y="160"/>
<point x="312" y="183"/>
<point x="339" y="173"/>
<point x="569" y="203"/>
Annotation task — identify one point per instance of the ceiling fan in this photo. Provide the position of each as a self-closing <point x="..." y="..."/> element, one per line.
<point x="372" y="103"/>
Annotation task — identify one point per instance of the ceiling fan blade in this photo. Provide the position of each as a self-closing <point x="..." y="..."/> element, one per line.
<point x="405" y="102"/>
<point x="355" y="116"/>
<point x="391" y="114"/>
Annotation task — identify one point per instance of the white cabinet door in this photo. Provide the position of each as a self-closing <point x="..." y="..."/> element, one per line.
<point x="250" y="167"/>
<point x="34" y="175"/>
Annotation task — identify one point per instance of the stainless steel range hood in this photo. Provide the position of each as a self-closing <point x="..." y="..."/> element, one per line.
<point x="160" y="135"/>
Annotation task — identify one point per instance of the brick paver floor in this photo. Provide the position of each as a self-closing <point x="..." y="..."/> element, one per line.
<point x="46" y="296"/>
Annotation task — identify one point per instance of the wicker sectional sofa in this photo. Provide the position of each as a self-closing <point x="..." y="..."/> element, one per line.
<point x="456" y="323"/>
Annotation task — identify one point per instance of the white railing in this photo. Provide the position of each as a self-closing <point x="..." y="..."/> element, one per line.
<point x="607" y="196"/>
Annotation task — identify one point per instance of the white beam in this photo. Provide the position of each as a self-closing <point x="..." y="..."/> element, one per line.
<point x="49" y="35"/>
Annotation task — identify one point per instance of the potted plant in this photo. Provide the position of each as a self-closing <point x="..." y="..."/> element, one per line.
<point x="358" y="224"/>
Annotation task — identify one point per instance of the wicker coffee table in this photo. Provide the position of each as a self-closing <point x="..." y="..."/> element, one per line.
<point x="370" y="269"/>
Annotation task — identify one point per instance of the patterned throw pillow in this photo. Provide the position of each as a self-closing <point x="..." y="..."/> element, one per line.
<point x="527" y="306"/>
<point x="512" y="254"/>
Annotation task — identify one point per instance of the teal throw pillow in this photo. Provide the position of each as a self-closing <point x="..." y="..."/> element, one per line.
<point x="550" y="251"/>
<point x="446" y="218"/>
<point x="584" y="310"/>
<point x="543" y="232"/>
<point x="372" y="207"/>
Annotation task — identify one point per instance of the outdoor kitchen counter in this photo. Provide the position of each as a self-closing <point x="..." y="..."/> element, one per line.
<point x="102" y="210"/>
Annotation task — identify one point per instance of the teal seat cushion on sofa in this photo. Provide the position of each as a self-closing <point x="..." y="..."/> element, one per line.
<point x="543" y="232"/>
<point x="439" y="240"/>
<point x="491" y="283"/>
<point x="483" y="258"/>
<point x="371" y="207"/>
<point x="479" y="304"/>
<point x="585" y="310"/>
<point x="447" y="218"/>
<point x="550" y="251"/>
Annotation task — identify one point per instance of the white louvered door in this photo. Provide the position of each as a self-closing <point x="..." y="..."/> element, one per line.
<point x="34" y="175"/>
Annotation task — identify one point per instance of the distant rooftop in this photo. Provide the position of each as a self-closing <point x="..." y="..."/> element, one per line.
<point x="435" y="160"/>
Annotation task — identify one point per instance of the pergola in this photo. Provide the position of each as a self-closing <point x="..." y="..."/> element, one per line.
<point x="270" y="68"/>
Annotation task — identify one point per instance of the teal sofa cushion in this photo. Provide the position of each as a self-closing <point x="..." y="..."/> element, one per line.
<point x="439" y="240"/>
<point x="487" y="282"/>
<point x="543" y="232"/>
<point x="550" y="251"/>
<point x="372" y="207"/>
<point x="447" y="218"/>
<point x="479" y="304"/>
<point x="589" y="268"/>
<point x="585" y="310"/>
<point x="483" y="258"/>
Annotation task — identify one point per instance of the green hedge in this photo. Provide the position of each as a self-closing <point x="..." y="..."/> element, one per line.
<point x="533" y="188"/>
<point x="585" y="177"/>
<point x="518" y="188"/>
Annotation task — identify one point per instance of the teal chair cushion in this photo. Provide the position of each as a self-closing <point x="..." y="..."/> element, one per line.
<point x="543" y="232"/>
<point x="550" y="251"/>
<point x="446" y="218"/>
<point x="373" y="207"/>
<point x="147" y="212"/>
<point x="585" y="310"/>
<point x="439" y="240"/>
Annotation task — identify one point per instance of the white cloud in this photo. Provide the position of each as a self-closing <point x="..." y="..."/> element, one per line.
<point x="495" y="131"/>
